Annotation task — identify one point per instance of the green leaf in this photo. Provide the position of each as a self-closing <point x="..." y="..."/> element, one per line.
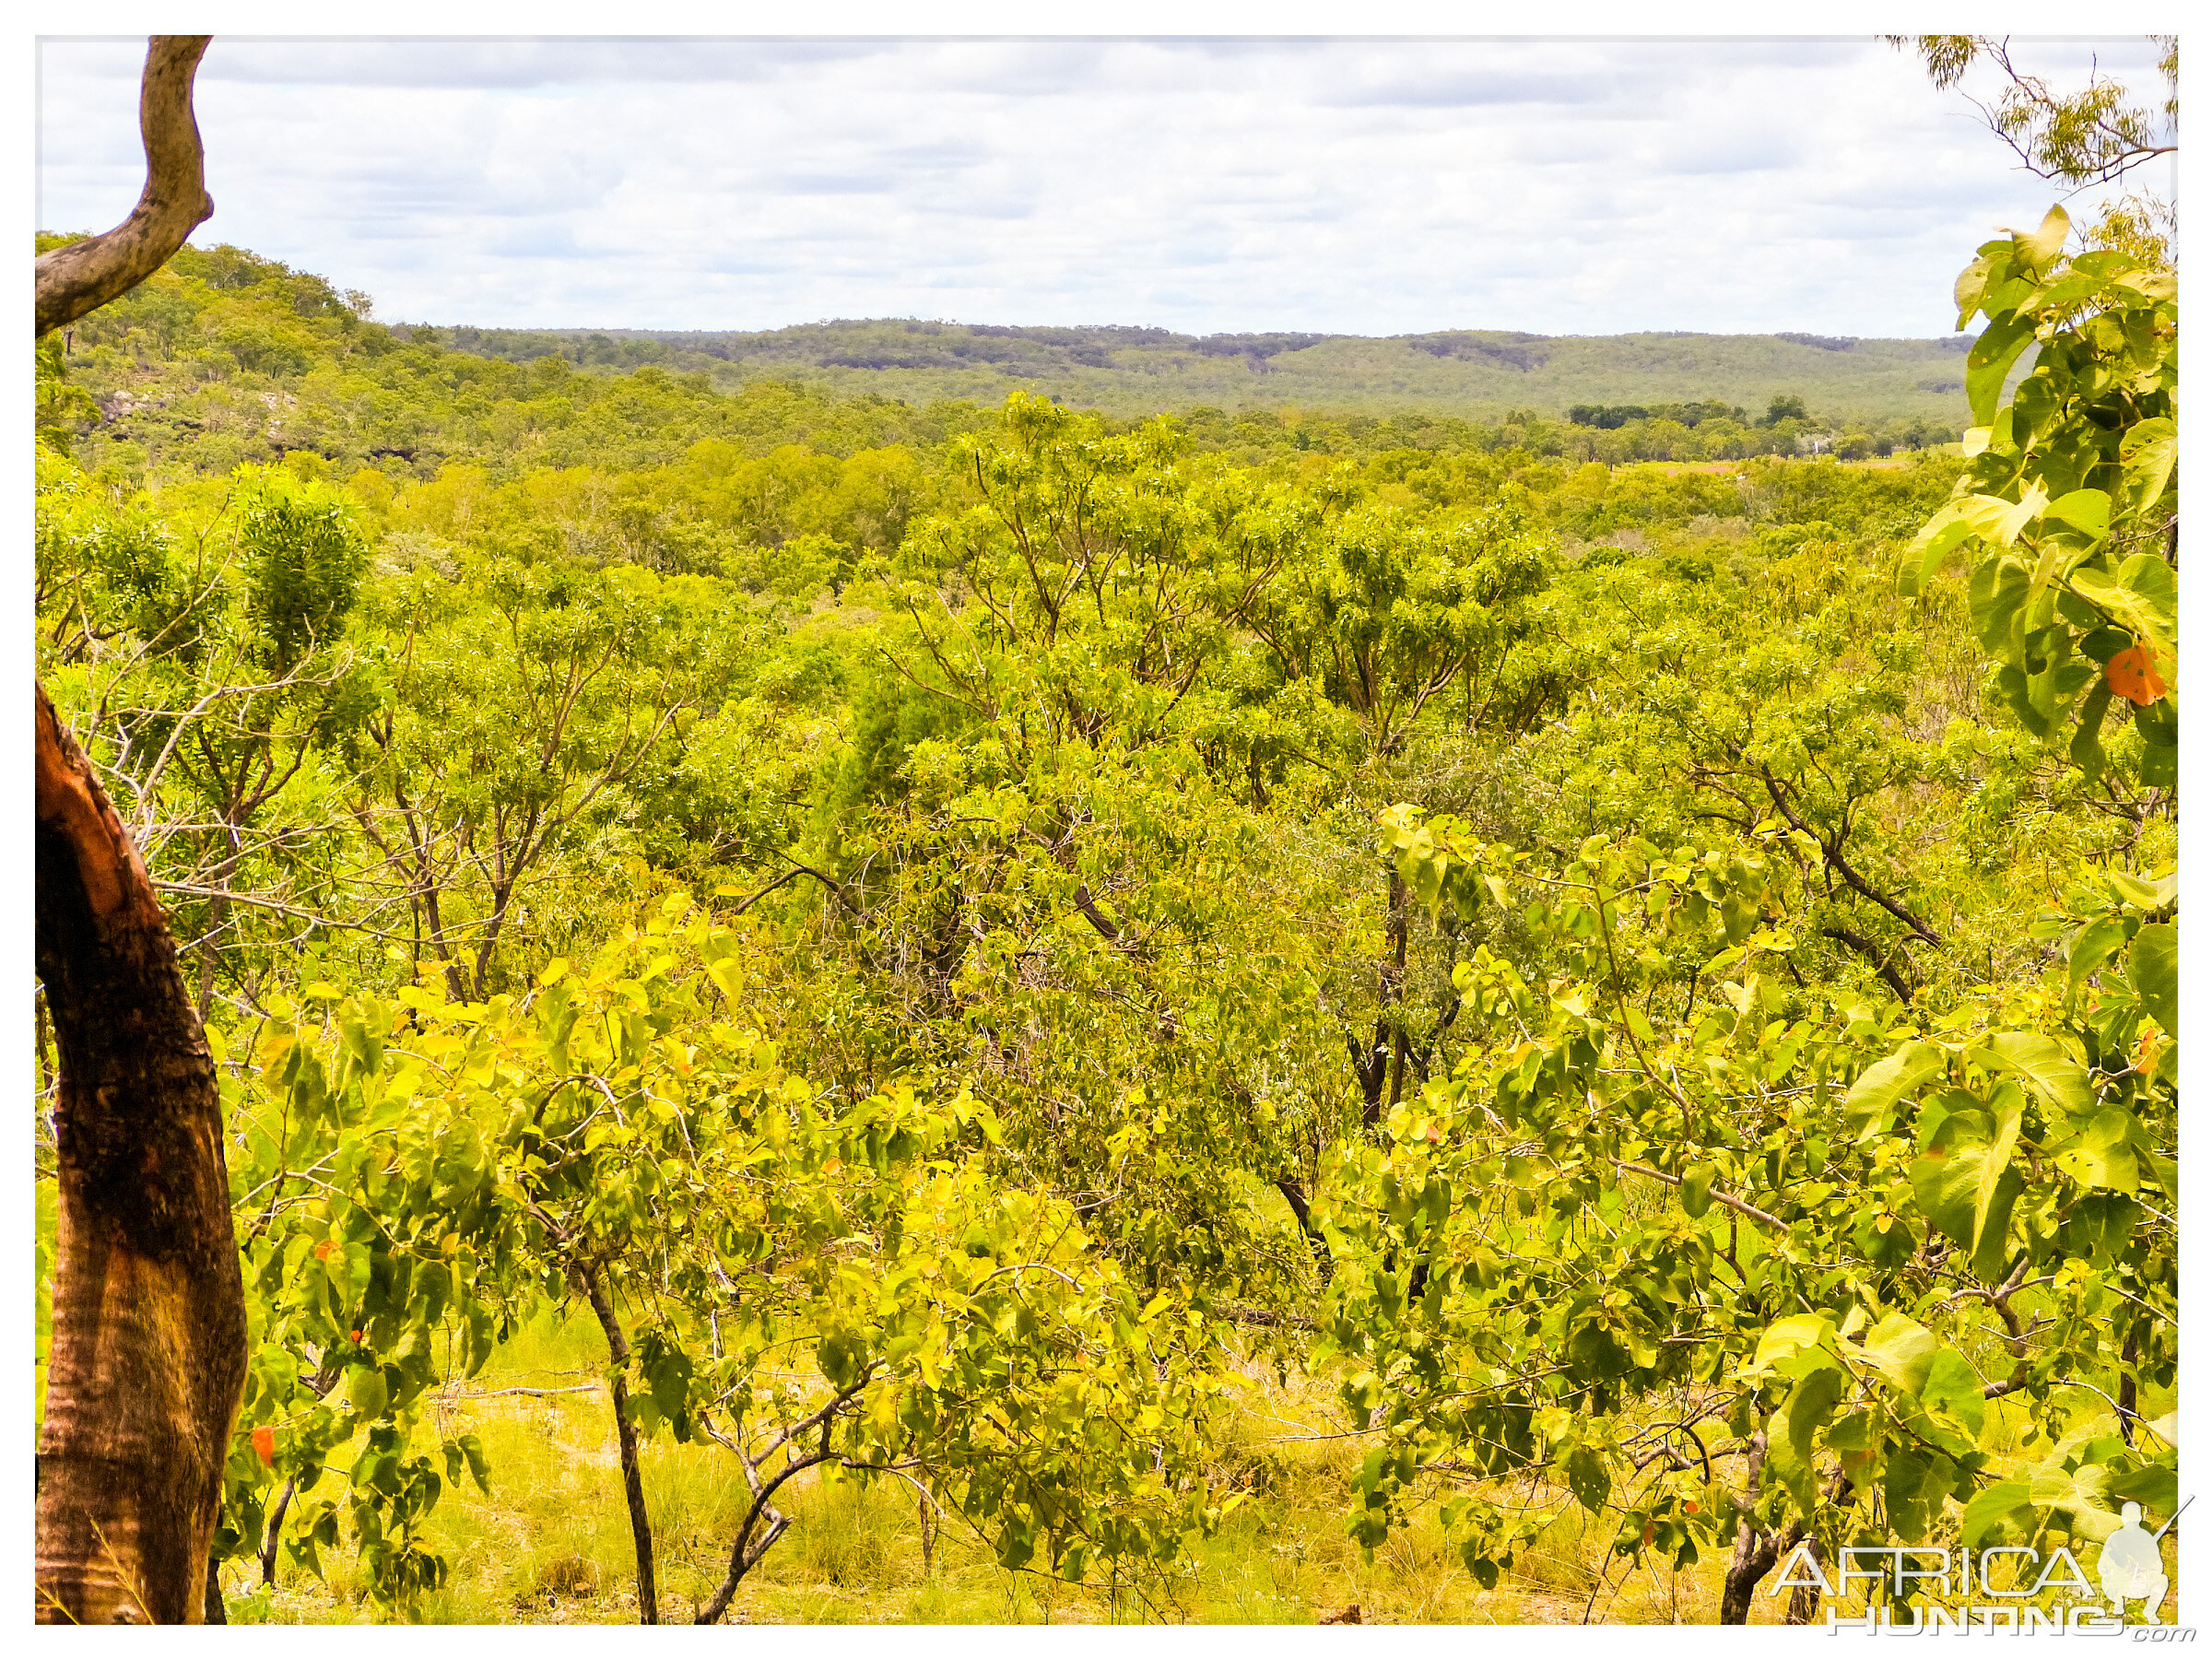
<point x="1952" y="1394"/>
<point x="2153" y="962"/>
<point x="2151" y="1161"/>
<point x="1990" y="359"/>
<point x="1795" y="1345"/>
<point x="1902" y="1350"/>
<point x="2144" y="606"/>
<point x="2081" y="1495"/>
<point x="2038" y="248"/>
<point x="2146" y="457"/>
<point x="1588" y="1478"/>
<point x="1973" y="283"/>
<point x="1938" y="538"/>
<point x="1697" y="1190"/>
<point x="1945" y="1179"/>
<point x="1996" y="594"/>
<point x="2087" y="511"/>
<point x="366" y="1391"/>
<point x="479" y="1467"/>
<point x="2101" y="1153"/>
<point x="1997" y="1514"/>
<point x="2048" y="1069"/>
<point x="2087" y="750"/>
<point x="1914" y="1485"/>
<point x="1872" y="1097"/>
<point x="2150" y="579"/>
<point x="1990" y="1215"/>
<point x="1790" y="1435"/>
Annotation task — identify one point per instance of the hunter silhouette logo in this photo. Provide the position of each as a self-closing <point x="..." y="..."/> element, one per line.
<point x="2129" y="1569"/>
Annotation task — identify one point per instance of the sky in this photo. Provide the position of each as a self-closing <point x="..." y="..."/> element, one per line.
<point x="1356" y="186"/>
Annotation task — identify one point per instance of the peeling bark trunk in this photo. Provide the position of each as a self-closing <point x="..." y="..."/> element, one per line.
<point x="149" y="1325"/>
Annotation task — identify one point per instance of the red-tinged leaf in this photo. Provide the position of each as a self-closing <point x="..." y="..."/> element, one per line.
<point x="2133" y="674"/>
<point x="264" y="1443"/>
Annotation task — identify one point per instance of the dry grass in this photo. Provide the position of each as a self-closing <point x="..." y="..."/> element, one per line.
<point x="551" y="1545"/>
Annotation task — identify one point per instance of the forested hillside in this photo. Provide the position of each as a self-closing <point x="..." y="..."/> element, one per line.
<point x="223" y="358"/>
<point x="1468" y="373"/>
<point x="961" y="1009"/>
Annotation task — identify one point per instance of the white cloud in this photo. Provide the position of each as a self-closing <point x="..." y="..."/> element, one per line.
<point x="1563" y="187"/>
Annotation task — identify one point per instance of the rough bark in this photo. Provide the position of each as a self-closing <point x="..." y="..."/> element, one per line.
<point x="149" y="1325"/>
<point x="86" y="274"/>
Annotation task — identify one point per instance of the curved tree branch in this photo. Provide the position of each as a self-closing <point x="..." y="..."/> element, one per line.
<point x="86" y="274"/>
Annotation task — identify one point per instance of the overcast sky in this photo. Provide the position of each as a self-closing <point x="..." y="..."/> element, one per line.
<point x="1359" y="186"/>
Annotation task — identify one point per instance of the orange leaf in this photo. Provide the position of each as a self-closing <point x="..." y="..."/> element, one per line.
<point x="2133" y="674"/>
<point x="2147" y="1050"/>
<point x="323" y="1249"/>
<point x="264" y="1443"/>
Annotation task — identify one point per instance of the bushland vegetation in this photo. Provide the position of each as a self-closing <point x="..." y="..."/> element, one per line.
<point x="998" y="1008"/>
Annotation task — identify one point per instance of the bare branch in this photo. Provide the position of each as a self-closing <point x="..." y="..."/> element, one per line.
<point x="86" y="274"/>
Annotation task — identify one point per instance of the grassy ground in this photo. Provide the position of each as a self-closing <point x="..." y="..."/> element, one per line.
<point x="551" y="1544"/>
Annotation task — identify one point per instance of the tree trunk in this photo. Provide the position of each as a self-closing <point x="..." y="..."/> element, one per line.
<point x="150" y="1320"/>
<point x="1757" y="1550"/>
<point x="275" y="1534"/>
<point x="626" y="1437"/>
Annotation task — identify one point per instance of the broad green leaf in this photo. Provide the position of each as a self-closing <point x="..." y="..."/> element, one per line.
<point x="2087" y="750"/>
<point x="2150" y="1161"/>
<point x="366" y="1391"/>
<point x="2138" y="894"/>
<point x="1902" y="1350"/>
<point x="2082" y="1496"/>
<point x="2153" y="962"/>
<point x="1793" y="1345"/>
<point x="2146" y="457"/>
<point x="1998" y="1184"/>
<point x="1953" y="1393"/>
<point x="1867" y="1108"/>
<point x="1914" y="1484"/>
<point x="1946" y="1179"/>
<point x="2101" y="1153"/>
<point x="1938" y="538"/>
<point x="2151" y="578"/>
<point x="2087" y="511"/>
<point x="2042" y="245"/>
<point x="1969" y="289"/>
<point x="1790" y="1435"/>
<point x="1990" y="359"/>
<point x="1588" y="1478"/>
<point x="1697" y="1190"/>
<point x="2155" y="1487"/>
<point x="1997" y="1514"/>
<point x="2127" y="607"/>
<point x="2092" y="948"/>
<point x="2046" y="1068"/>
<point x="1996" y="593"/>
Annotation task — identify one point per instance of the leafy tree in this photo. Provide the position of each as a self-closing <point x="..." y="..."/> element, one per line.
<point x="2093" y="135"/>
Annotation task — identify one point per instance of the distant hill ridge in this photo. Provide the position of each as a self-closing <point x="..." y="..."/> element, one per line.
<point x="1473" y="374"/>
